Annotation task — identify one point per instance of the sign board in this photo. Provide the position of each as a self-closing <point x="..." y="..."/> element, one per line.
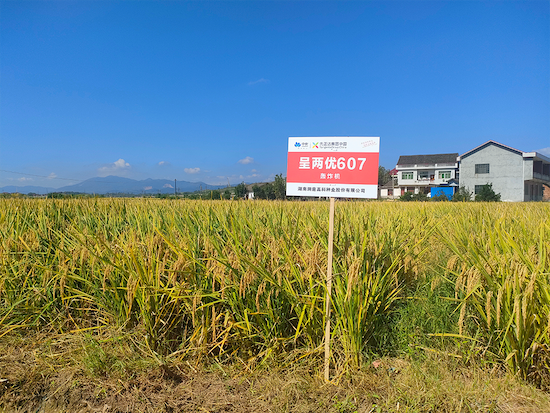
<point x="337" y="167"/>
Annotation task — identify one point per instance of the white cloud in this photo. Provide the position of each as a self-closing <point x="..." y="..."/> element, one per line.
<point x="246" y="160"/>
<point x="117" y="166"/>
<point x="192" y="170"/>
<point x="253" y="171"/>
<point x="161" y="163"/>
<point x="147" y="188"/>
<point x="545" y="151"/>
<point x="52" y="175"/>
<point x="24" y="179"/>
<point x="167" y="186"/>
<point x="256" y="82"/>
<point x="121" y="163"/>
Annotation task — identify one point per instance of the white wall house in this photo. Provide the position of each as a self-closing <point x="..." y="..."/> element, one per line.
<point x="419" y="173"/>
<point x="516" y="175"/>
<point x="388" y="190"/>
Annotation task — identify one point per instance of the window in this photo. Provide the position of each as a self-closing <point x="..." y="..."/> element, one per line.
<point x="444" y="174"/>
<point x="423" y="175"/>
<point x="482" y="168"/>
<point x="407" y="175"/>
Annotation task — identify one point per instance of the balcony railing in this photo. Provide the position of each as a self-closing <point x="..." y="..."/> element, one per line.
<point x="425" y="181"/>
<point x="542" y="177"/>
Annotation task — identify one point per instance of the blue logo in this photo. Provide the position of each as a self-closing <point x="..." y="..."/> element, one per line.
<point x="297" y="144"/>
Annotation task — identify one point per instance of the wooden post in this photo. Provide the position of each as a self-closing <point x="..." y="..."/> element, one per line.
<point x="329" y="289"/>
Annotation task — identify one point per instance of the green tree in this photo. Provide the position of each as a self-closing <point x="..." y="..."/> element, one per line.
<point x="259" y="192"/>
<point x="215" y="194"/>
<point x="383" y="175"/>
<point x="227" y="194"/>
<point x="411" y="196"/>
<point x="487" y="194"/>
<point x="269" y="190"/>
<point x="279" y="187"/>
<point x="420" y="197"/>
<point x="240" y="191"/>
<point x="462" y="195"/>
<point x="439" y="198"/>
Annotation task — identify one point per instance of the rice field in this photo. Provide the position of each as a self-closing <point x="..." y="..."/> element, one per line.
<point x="227" y="280"/>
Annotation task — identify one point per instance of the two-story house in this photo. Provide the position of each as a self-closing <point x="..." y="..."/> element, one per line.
<point x="421" y="173"/>
<point x="516" y="175"/>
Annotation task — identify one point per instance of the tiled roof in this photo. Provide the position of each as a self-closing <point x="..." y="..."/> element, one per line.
<point x="427" y="159"/>
<point x="478" y="148"/>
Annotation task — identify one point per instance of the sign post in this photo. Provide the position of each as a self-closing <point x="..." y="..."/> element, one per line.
<point x="334" y="167"/>
<point x="329" y="288"/>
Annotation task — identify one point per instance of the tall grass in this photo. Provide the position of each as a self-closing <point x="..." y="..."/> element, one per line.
<point x="207" y="278"/>
<point x="501" y="269"/>
<point x="246" y="280"/>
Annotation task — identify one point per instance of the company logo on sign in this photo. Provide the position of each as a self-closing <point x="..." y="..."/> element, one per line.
<point x="366" y="144"/>
<point x="304" y="145"/>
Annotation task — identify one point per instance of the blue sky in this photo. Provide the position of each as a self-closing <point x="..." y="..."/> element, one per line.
<point x="211" y="91"/>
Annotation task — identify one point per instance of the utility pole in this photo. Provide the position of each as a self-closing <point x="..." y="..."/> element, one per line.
<point x="175" y="186"/>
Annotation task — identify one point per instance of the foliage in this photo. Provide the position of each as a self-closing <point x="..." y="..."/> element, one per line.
<point x="462" y="195"/>
<point x="500" y="270"/>
<point x="271" y="190"/>
<point x="240" y="191"/>
<point x="487" y="194"/>
<point x="383" y="176"/>
<point x="260" y="191"/>
<point x="67" y="195"/>
<point x="264" y="191"/>
<point x="279" y="187"/>
<point x="439" y="198"/>
<point x="246" y="281"/>
<point x="411" y="196"/>
<point x="206" y="277"/>
<point x="215" y="194"/>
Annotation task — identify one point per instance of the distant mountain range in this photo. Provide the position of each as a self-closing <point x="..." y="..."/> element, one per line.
<point x="116" y="184"/>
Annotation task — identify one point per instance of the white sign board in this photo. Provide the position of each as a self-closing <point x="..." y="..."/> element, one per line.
<point x="338" y="167"/>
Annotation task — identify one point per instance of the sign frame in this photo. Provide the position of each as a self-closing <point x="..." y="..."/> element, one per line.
<point x="333" y="166"/>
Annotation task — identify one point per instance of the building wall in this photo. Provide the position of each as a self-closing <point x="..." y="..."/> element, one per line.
<point x="506" y="172"/>
<point x="527" y="169"/>
<point x="416" y="181"/>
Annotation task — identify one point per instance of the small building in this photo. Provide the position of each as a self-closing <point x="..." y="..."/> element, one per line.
<point x="514" y="174"/>
<point x="420" y="173"/>
<point x="387" y="191"/>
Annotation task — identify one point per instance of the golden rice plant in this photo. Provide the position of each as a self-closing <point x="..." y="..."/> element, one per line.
<point x="501" y="270"/>
<point x="247" y="279"/>
<point x="207" y="278"/>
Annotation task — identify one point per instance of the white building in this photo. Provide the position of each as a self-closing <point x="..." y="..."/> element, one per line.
<point x="420" y="173"/>
<point x="516" y="175"/>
